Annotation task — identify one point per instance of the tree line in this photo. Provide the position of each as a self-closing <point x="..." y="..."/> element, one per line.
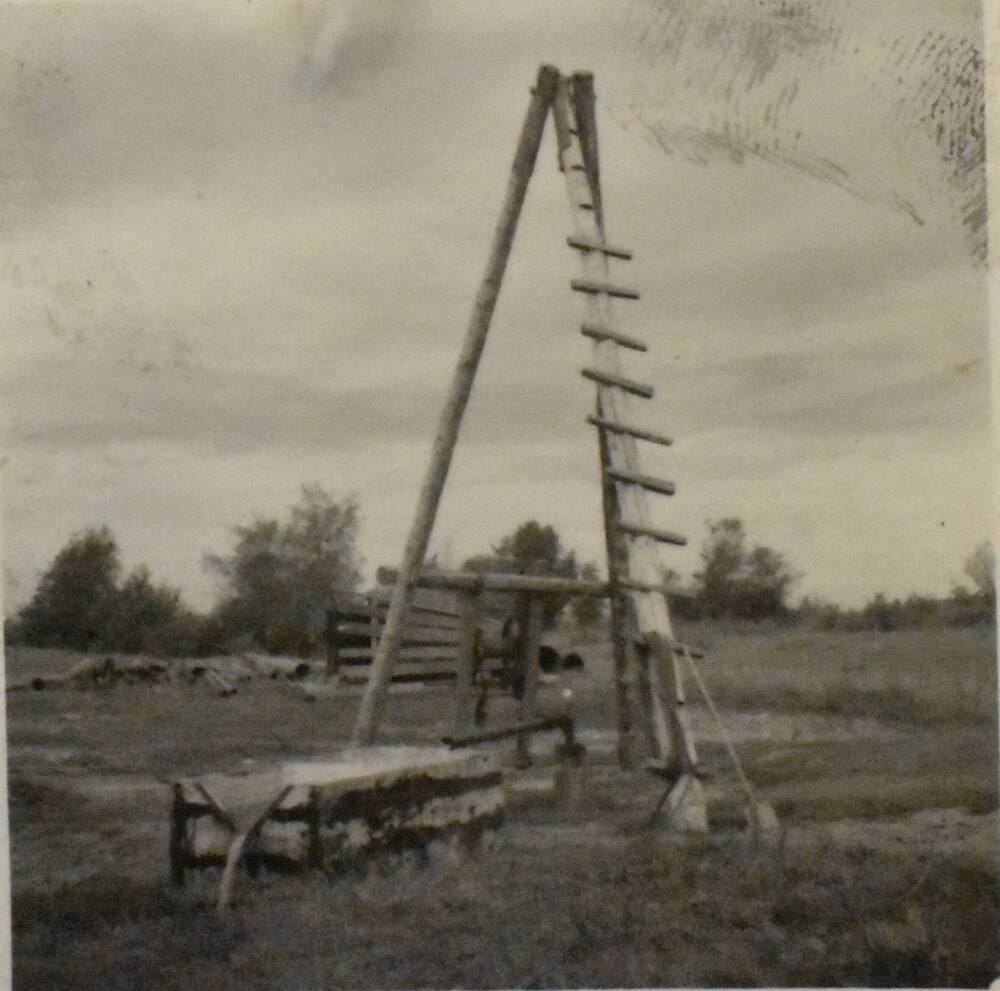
<point x="276" y="581"/>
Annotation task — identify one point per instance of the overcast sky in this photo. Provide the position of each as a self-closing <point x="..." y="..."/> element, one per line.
<point x="241" y="242"/>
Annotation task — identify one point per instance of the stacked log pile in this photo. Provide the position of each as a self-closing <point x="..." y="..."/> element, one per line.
<point x="223" y="674"/>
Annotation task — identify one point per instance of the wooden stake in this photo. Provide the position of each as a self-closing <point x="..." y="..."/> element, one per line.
<point x="617" y="556"/>
<point x="465" y="669"/>
<point x="373" y="702"/>
<point x="531" y="637"/>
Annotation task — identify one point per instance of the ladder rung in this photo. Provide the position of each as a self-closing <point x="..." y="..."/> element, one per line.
<point x="682" y="648"/>
<point x="663" y="536"/>
<point x="599" y="333"/>
<point x="606" y="378"/>
<point x="646" y="481"/>
<point x="586" y="244"/>
<point x="622" y="428"/>
<point x="593" y="286"/>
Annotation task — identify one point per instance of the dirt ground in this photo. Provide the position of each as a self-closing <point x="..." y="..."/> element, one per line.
<point x="883" y="871"/>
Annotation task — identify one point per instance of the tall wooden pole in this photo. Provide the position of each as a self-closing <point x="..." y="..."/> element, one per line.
<point x="622" y="632"/>
<point x="373" y="702"/>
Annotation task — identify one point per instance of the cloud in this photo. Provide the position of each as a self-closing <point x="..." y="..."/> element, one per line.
<point x="243" y="241"/>
<point x="798" y="84"/>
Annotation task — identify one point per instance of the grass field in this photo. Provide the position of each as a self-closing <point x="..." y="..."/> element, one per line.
<point x="878" y="750"/>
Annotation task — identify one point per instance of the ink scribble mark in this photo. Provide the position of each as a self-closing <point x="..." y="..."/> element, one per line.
<point x="730" y="79"/>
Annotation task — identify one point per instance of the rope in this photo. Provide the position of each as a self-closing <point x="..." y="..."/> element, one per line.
<point x="751" y="798"/>
<point x="659" y="805"/>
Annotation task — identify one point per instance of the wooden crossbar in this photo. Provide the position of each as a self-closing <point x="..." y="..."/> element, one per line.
<point x="594" y="286"/>
<point x="589" y="244"/>
<point x="471" y="582"/>
<point x="663" y="536"/>
<point x="623" y="428"/>
<point x="435" y="637"/>
<point x="619" y="381"/>
<point x="630" y="584"/>
<point x="598" y="332"/>
<point x="648" y="482"/>
<point x="362" y="655"/>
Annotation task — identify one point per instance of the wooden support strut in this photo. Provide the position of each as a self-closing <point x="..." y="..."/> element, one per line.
<point x="497" y="582"/>
<point x="376" y="692"/>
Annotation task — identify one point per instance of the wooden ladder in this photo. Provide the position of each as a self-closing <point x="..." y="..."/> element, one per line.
<point x="644" y="641"/>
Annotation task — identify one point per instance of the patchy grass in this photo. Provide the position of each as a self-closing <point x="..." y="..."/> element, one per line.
<point x="594" y="912"/>
<point x="928" y="676"/>
<point x="587" y="900"/>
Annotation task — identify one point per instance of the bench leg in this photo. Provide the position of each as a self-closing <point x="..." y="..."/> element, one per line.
<point x="178" y="822"/>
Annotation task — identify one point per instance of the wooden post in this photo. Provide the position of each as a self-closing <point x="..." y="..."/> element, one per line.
<point x="465" y="667"/>
<point x="332" y="658"/>
<point x="373" y="701"/>
<point x="178" y="822"/>
<point x="621" y="629"/>
<point x="531" y="638"/>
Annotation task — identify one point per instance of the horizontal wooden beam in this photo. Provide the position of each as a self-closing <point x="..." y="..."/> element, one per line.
<point x="422" y="636"/>
<point x="619" y="381"/>
<point x="587" y="244"/>
<point x="600" y="333"/>
<point x="648" y="482"/>
<point x="663" y="536"/>
<point x="624" y="428"/>
<point x="359" y="611"/>
<point x="362" y="655"/>
<point x="494" y="582"/>
<point x="608" y="288"/>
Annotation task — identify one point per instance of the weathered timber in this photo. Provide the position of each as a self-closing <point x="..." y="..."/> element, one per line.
<point x="377" y="605"/>
<point x="621" y="639"/>
<point x="649" y="482"/>
<point x="404" y="653"/>
<point x="374" y="698"/>
<point x="619" y="381"/>
<point x="588" y="244"/>
<point x="599" y="332"/>
<point x="595" y="286"/>
<point x="623" y="428"/>
<point x="574" y="117"/>
<point x="428" y="635"/>
<point x="564" y="724"/>
<point x="465" y="664"/>
<point x="471" y="582"/>
<point x="337" y="814"/>
<point x="531" y="637"/>
<point x="634" y="586"/>
<point x="663" y="536"/>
